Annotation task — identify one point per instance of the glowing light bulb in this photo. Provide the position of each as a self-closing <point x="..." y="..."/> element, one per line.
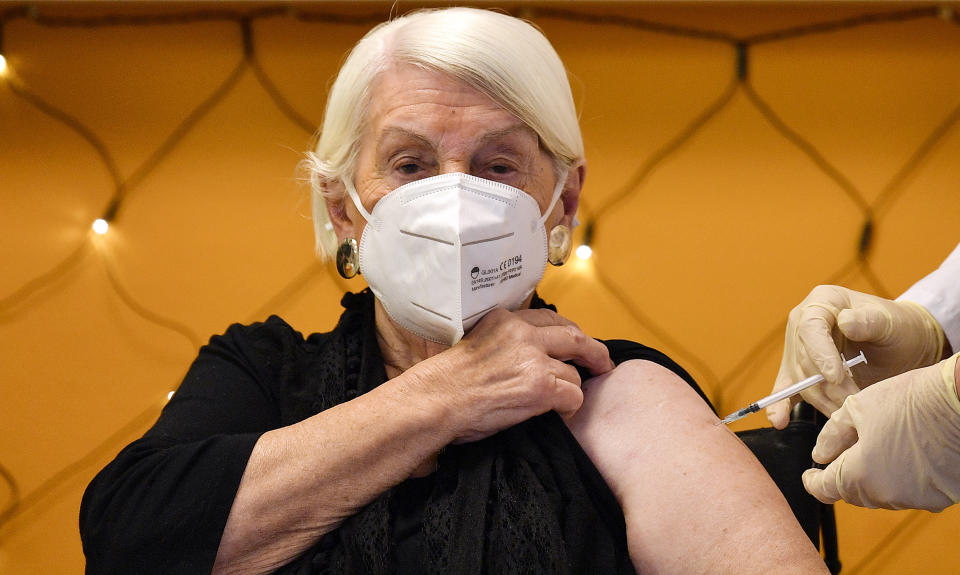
<point x="100" y="226"/>
<point x="170" y="395"/>
<point x="3" y="64"/>
<point x="584" y="252"/>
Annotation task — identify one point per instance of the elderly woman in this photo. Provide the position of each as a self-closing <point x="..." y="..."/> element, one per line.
<point x="452" y="422"/>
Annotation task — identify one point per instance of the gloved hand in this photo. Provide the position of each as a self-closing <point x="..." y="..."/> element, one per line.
<point x="894" y="445"/>
<point x="894" y="336"/>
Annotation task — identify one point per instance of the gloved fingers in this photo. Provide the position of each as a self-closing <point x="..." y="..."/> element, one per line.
<point x="809" y="348"/>
<point x="794" y="367"/>
<point x="789" y="373"/>
<point x="779" y="413"/>
<point x="822" y="484"/>
<point x="830" y="396"/>
<point x="869" y="323"/>
<point x="815" y="332"/>
<point x="837" y="435"/>
<point x="818" y="397"/>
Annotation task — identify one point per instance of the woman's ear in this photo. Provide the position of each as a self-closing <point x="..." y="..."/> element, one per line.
<point x="335" y="197"/>
<point x="571" y="193"/>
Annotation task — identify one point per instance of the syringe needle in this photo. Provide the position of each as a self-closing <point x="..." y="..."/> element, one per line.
<point x="740" y="413"/>
<point x="788" y="391"/>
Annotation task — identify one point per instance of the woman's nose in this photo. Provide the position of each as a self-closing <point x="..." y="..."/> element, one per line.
<point x="454" y="166"/>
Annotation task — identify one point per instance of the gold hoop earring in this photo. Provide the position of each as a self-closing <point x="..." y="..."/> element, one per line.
<point x="559" y="245"/>
<point x="348" y="257"/>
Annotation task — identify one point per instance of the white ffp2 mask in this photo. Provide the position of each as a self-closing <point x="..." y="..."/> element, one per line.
<point x="441" y="252"/>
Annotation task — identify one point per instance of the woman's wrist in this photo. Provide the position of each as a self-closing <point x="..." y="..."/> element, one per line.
<point x="419" y="392"/>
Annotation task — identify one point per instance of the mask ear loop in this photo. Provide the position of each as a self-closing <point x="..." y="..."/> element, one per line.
<point x="352" y="192"/>
<point x="560" y="238"/>
<point x="557" y="192"/>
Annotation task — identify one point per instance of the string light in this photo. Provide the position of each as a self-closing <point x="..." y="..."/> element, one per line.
<point x="102" y="224"/>
<point x="3" y="60"/>
<point x="584" y="251"/>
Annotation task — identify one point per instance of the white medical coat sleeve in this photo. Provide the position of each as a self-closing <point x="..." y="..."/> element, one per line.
<point x="939" y="292"/>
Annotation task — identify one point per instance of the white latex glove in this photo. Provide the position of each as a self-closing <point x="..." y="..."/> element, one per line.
<point x="894" y="445"/>
<point x="895" y="337"/>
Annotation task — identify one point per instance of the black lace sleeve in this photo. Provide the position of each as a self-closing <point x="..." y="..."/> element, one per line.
<point x="160" y="506"/>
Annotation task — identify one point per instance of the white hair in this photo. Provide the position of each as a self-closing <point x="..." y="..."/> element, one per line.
<point x="506" y="58"/>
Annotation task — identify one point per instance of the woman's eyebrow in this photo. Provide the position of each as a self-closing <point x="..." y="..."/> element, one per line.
<point x="422" y="141"/>
<point x="495" y="135"/>
<point x="396" y="131"/>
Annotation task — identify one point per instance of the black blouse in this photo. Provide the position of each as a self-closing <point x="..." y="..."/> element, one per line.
<point x="525" y="500"/>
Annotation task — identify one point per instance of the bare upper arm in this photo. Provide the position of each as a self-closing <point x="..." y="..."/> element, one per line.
<point x="694" y="497"/>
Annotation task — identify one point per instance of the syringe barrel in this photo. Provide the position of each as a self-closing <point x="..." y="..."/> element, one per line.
<point x="804" y="384"/>
<point x="790" y="391"/>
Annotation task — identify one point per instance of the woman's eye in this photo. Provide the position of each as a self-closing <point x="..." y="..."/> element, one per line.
<point x="408" y="169"/>
<point x="502" y="171"/>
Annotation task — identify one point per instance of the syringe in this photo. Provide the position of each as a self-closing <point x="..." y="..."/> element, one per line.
<point x="789" y="391"/>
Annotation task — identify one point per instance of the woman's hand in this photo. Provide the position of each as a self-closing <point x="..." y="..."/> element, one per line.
<point x="510" y="367"/>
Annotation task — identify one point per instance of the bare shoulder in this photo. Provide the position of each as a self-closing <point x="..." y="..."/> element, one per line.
<point x="641" y="379"/>
<point x="693" y="495"/>
<point x="638" y="399"/>
<point x="638" y="403"/>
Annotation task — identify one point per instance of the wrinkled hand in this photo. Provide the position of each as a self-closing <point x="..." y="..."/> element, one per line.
<point x="894" y="445"/>
<point x="894" y="336"/>
<point x="510" y="367"/>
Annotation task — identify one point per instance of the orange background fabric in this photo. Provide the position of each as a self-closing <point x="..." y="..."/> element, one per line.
<point x="719" y="195"/>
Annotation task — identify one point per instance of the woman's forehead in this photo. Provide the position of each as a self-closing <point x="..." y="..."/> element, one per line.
<point x="412" y="102"/>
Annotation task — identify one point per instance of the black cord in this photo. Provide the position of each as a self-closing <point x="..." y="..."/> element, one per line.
<point x="843" y="24"/>
<point x="629" y="22"/>
<point x="647" y="323"/>
<point x="177" y="18"/>
<point x="292" y="288"/>
<point x="279" y="100"/>
<point x="806" y="147"/>
<point x="181" y="130"/>
<point x="923" y="151"/>
<point x="69" y="121"/>
<point x="775" y="335"/>
<point x="664" y="152"/>
<point x="747" y="365"/>
<point x="143" y="311"/>
<point x="912" y="520"/>
<point x="9" y="304"/>
<point x="876" y="285"/>
<point x="103" y="449"/>
<point x="13" y="504"/>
